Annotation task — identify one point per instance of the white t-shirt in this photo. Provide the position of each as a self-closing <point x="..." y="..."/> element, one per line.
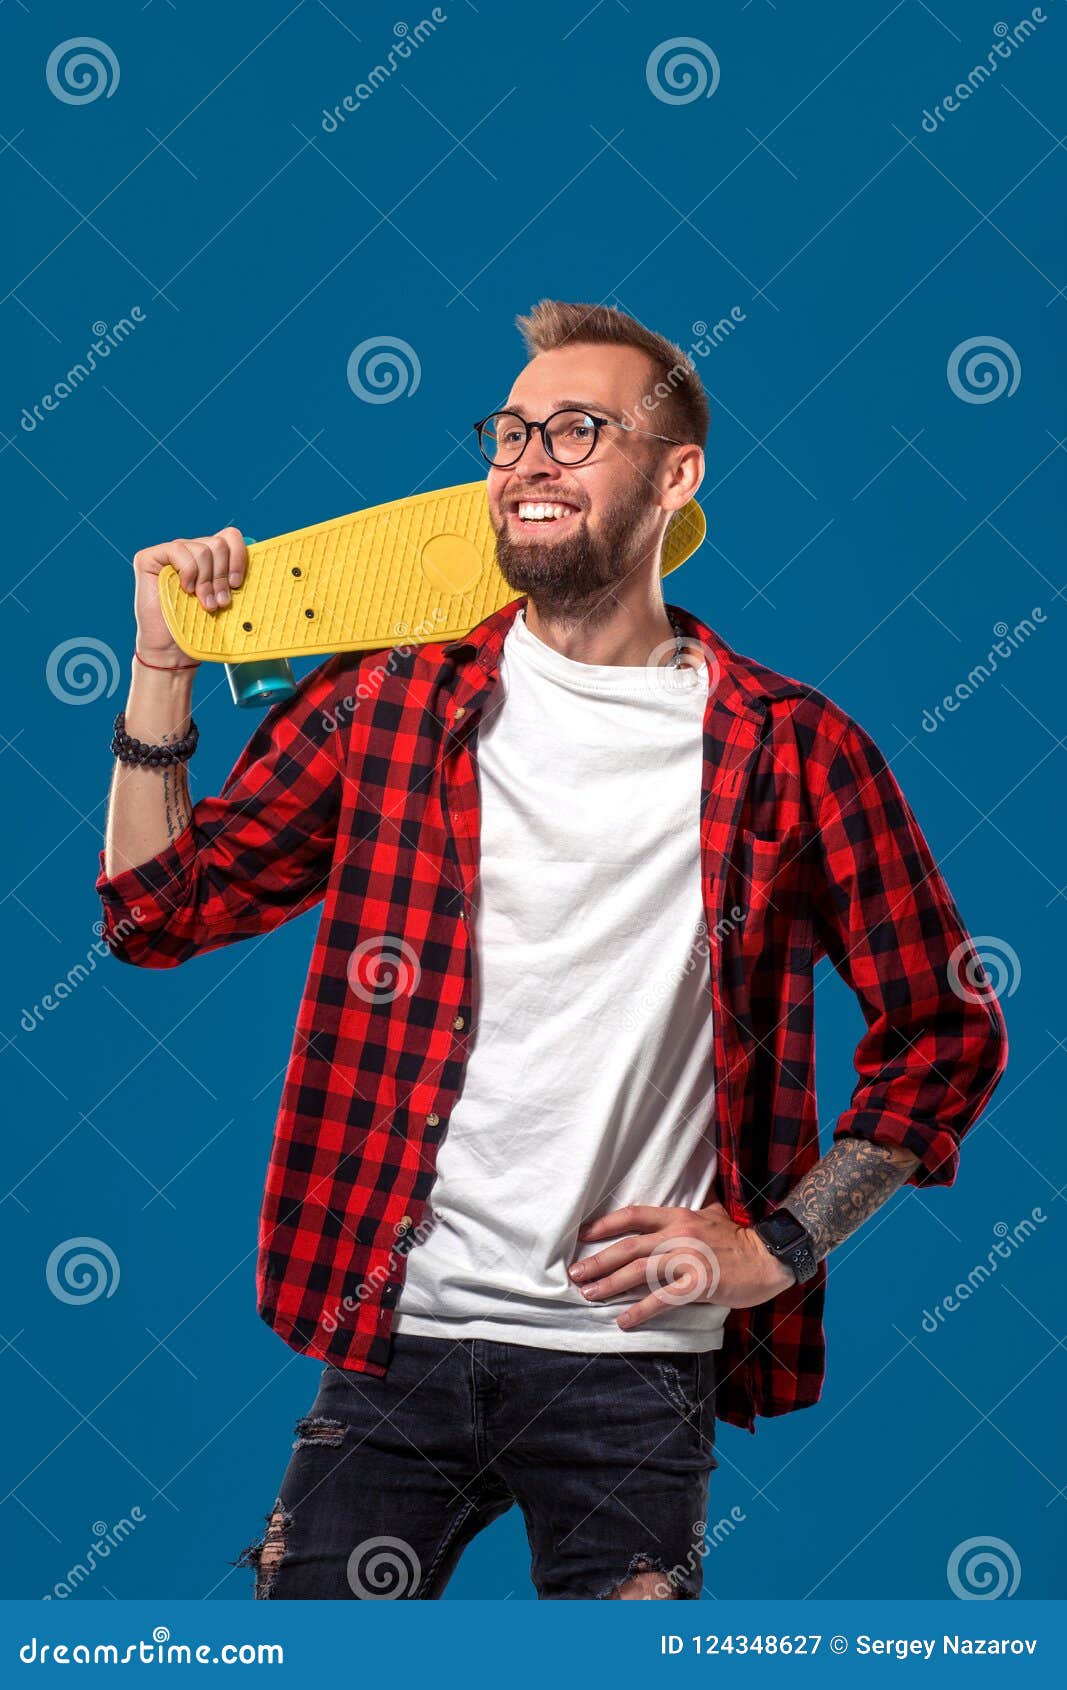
<point x="589" y="1081"/>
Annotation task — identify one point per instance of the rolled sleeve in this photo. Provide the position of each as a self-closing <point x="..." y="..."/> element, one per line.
<point x="143" y="898"/>
<point x="937" y="1148"/>
<point x="254" y="856"/>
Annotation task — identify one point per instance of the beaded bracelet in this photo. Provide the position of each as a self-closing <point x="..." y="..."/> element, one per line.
<point x="137" y="751"/>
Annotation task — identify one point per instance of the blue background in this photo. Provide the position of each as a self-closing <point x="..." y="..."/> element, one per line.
<point x="868" y="529"/>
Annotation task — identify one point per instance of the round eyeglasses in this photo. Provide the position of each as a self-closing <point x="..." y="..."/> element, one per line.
<point x="569" y="437"/>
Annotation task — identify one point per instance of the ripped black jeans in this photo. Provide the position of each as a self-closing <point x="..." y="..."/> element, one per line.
<point x="607" y="1456"/>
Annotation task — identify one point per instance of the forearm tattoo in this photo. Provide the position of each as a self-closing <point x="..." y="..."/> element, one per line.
<point x="177" y="808"/>
<point x="851" y="1181"/>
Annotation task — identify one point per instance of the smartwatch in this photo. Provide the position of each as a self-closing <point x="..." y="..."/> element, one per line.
<point x="786" y="1238"/>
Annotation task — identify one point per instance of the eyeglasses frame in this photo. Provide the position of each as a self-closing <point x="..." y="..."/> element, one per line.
<point x="598" y="424"/>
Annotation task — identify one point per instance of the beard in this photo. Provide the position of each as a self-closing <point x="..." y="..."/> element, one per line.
<point x="567" y="577"/>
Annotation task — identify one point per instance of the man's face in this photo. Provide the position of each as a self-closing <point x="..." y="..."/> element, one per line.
<point x="607" y="510"/>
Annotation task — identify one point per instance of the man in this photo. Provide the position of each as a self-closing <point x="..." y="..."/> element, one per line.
<point x="545" y="1193"/>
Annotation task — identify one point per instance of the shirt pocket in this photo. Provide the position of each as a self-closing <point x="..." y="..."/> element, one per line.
<point x="765" y="892"/>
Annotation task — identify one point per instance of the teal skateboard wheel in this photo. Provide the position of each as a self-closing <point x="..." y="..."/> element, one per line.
<point x="256" y="686"/>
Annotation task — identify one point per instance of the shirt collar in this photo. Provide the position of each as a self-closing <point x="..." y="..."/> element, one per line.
<point x="739" y="684"/>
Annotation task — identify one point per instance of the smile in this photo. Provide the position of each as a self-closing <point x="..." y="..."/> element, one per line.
<point x="531" y="511"/>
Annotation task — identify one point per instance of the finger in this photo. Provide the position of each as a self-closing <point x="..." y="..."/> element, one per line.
<point x="608" y="1261"/>
<point x="205" y="571"/>
<point x="181" y="555"/>
<point x="638" y="1272"/>
<point x="687" y="1273"/>
<point x="647" y="1309"/>
<point x="635" y="1218"/>
<point x="220" y="569"/>
<point x="238" y="555"/>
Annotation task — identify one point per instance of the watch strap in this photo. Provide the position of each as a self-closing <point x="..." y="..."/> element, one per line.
<point x="790" y="1242"/>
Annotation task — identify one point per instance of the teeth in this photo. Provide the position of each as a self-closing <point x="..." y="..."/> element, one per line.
<point x="542" y="513"/>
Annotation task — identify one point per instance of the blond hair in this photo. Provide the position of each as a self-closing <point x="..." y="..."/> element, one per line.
<point x="677" y="395"/>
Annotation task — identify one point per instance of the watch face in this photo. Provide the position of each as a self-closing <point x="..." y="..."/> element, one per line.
<point x="782" y="1230"/>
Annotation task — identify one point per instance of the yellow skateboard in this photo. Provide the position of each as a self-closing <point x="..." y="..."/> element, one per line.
<point x="407" y="572"/>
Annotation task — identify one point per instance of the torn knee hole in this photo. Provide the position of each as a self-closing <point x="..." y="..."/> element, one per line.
<point x="316" y="1429"/>
<point x="267" y="1554"/>
<point x="644" y="1581"/>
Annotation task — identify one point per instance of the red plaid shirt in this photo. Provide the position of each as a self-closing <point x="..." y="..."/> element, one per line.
<point x="361" y="793"/>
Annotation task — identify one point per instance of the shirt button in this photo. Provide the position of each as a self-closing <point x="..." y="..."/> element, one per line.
<point x="459" y="1023"/>
<point x="404" y="1224"/>
<point x="460" y="710"/>
<point x="433" y="1120"/>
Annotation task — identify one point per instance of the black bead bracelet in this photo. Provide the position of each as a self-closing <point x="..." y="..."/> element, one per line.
<point x="130" y="750"/>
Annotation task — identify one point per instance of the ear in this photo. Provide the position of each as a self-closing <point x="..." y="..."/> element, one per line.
<point x="683" y="474"/>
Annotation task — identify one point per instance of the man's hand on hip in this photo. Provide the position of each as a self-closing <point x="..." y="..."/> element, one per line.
<point x="677" y="1256"/>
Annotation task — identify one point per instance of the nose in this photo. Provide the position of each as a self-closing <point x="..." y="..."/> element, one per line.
<point x="536" y="460"/>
